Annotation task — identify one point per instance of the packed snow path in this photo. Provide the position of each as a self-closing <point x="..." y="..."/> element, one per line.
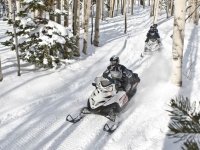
<point x="34" y="106"/>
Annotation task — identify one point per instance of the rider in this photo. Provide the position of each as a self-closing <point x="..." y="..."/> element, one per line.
<point x="153" y="33"/>
<point x="119" y="74"/>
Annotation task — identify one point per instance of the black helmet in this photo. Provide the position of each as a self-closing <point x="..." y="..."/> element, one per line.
<point x="155" y="25"/>
<point x="152" y="28"/>
<point x="114" y="60"/>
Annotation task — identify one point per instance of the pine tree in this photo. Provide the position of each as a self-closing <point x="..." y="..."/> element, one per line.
<point x="185" y="122"/>
<point x="38" y="37"/>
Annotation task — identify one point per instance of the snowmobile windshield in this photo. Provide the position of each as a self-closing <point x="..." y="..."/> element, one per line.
<point x="105" y="83"/>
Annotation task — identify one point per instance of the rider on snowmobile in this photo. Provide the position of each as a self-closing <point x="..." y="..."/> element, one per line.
<point x="153" y="33"/>
<point x="118" y="74"/>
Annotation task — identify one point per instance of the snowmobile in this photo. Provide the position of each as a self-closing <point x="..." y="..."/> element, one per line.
<point x="151" y="46"/>
<point x="108" y="99"/>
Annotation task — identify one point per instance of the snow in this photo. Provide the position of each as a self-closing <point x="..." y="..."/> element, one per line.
<point x="33" y="107"/>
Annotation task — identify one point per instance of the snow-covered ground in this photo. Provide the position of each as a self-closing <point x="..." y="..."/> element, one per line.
<point x="33" y="107"/>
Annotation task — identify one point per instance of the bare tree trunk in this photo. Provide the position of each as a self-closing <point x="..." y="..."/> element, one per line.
<point x="111" y="8"/>
<point x="10" y="9"/>
<point x="16" y="43"/>
<point x="122" y="7"/>
<point x="125" y="17"/>
<point x="66" y="8"/>
<point x="1" y="75"/>
<point x="51" y="16"/>
<point x="58" y="16"/>
<point x="87" y="5"/>
<point x="195" y="14"/>
<point x="18" y="5"/>
<point x="178" y="41"/>
<point x="172" y="8"/>
<point x="152" y="7"/>
<point x="132" y="5"/>
<point x="117" y="6"/>
<point x="102" y="10"/>
<point x="76" y="25"/>
<point x="96" y="35"/>
<point x="156" y="7"/>
<point x="92" y="24"/>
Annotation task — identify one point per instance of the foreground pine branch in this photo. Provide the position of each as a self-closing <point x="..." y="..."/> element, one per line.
<point x="185" y="125"/>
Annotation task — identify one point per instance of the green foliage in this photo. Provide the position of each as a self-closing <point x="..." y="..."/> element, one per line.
<point x="39" y="39"/>
<point x="185" y="121"/>
<point x="190" y="145"/>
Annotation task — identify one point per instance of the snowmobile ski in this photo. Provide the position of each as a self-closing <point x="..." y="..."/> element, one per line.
<point x="111" y="126"/>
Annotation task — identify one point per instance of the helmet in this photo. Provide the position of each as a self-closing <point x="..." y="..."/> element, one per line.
<point x="114" y="60"/>
<point x="152" y="28"/>
<point x="155" y="25"/>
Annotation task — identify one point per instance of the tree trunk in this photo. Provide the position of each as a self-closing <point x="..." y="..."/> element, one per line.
<point x="92" y="24"/>
<point x="172" y="8"/>
<point x="1" y="75"/>
<point x="152" y="7"/>
<point x="125" y="18"/>
<point x="76" y="25"/>
<point x="111" y="8"/>
<point x="195" y="12"/>
<point x="102" y="9"/>
<point x="51" y="16"/>
<point x="96" y="35"/>
<point x="178" y="41"/>
<point x="132" y="5"/>
<point x="156" y="7"/>
<point x="58" y="16"/>
<point x="87" y="5"/>
<point x="16" y="43"/>
<point x="10" y="9"/>
<point x="66" y="8"/>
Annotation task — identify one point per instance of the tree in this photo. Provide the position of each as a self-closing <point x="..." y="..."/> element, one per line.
<point x="132" y="4"/>
<point x="10" y="9"/>
<point x="66" y="8"/>
<point x="156" y="7"/>
<point x="58" y="15"/>
<point x="87" y="5"/>
<point x="125" y="18"/>
<point x="97" y="19"/>
<point x="185" y="122"/>
<point x="41" y="42"/>
<point x="178" y="41"/>
<point x="1" y="75"/>
<point x="76" y="25"/>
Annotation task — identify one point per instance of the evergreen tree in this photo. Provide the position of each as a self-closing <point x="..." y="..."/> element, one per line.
<point x="41" y="42"/>
<point x="185" y="122"/>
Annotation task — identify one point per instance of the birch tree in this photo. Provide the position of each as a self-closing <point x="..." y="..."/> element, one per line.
<point x="125" y="18"/>
<point x="178" y="41"/>
<point x="87" y="5"/>
<point x="156" y="7"/>
<point x="1" y="75"/>
<point x="10" y="9"/>
<point x="76" y="24"/>
<point x="132" y="4"/>
<point x="98" y="13"/>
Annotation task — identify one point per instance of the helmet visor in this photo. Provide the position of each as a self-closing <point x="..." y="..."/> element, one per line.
<point x="113" y="62"/>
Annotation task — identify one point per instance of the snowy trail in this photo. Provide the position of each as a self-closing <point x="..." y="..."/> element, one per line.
<point x="39" y="122"/>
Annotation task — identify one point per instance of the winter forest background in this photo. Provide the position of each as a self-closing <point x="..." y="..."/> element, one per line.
<point x="51" y="51"/>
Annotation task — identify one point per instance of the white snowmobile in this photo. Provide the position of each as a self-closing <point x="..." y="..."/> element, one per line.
<point x="152" y="46"/>
<point x="108" y="99"/>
